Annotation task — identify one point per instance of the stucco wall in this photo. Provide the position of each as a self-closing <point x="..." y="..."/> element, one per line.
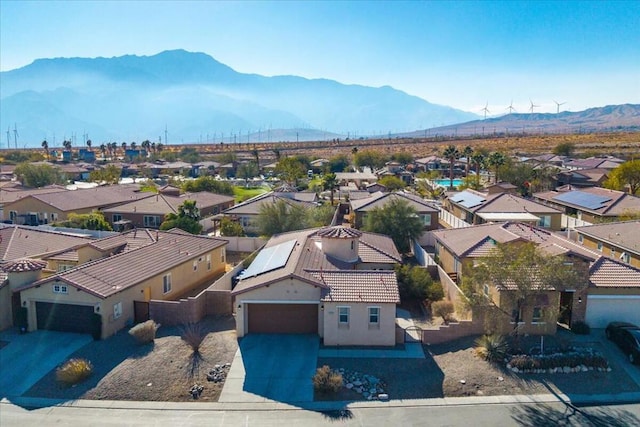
<point x="591" y="243"/>
<point x="546" y="326"/>
<point x="5" y="308"/>
<point x="359" y="331"/>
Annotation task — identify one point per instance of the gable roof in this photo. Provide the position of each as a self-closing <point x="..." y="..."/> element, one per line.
<point x="379" y="200"/>
<point x="359" y="286"/>
<point x="92" y="197"/>
<point x="596" y="200"/>
<point x="11" y="194"/>
<point x="163" y="204"/>
<point x="625" y="234"/>
<point x="475" y="201"/>
<point x="253" y="205"/>
<point x="610" y="273"/>
<point x="108" y="276"/>
<point x="22" y="242"/>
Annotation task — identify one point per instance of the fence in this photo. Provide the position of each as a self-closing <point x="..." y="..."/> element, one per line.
<point x="454" y="294"/>
<point x="422" y="256"/>
<point x="570" y="223"/>
<point x="451" y="220"/>
<point x="243" y="244"/>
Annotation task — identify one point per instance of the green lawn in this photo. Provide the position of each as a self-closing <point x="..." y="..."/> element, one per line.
<point x="244" y="193"/>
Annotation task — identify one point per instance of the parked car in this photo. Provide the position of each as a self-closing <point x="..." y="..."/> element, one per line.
<point x="627" y="337"/>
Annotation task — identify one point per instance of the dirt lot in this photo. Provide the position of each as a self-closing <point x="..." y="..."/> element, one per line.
<point x="453" y="370"/>
<point x="162" y="371"/>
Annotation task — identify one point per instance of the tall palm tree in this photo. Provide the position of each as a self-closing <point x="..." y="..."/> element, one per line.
<point x="45" y="146"/>
<point x="256" y="155"/>
<point x="124" y="148"/>
<point x="478" y="160"/>
<point x="452" y="154"/>
<point x="89" y="144"/>
<point x="330" y="182"/>
<point x="496" y="159"/>
<point x="467" y="153"/>
<point x="103" y="150"/>
<point x="133" y="145"/>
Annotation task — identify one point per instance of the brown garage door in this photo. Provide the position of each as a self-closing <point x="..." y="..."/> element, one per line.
<point x="65" y="317"/>
<point x="283" y="318"/>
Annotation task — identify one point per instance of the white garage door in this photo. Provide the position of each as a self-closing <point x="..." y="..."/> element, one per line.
<point x="602" y="309"/>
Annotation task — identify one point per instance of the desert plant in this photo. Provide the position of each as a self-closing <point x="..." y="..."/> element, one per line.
<point x="74" y="371"/>
<point x="580" y="328"/>
<point x="193" y="334"/>
<point x="145" y="332"/>
<point x="492" y="348"/>
<point x="326" y="380"/>
<point x="443" y="309"/>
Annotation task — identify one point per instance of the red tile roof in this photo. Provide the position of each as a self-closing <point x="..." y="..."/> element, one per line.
<point x="610" y="273"/>
<point x="22" y="242"/>
<point x="359" y="286"/>
<point x="21" y="265"/>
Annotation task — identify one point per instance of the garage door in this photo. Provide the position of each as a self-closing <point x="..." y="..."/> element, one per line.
<point x="283" y="318"/>
<point x="64" y="317"/>
<point x="602" y="309"/>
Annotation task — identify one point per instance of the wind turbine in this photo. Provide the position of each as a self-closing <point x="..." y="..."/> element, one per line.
<point x="486" y="110"/>
<point x="532" y="106"/>
<point x="558" y="104"/>
<point x="510" y="107"/>
<point x="15" y="135"/>
<point x="8" y="137"/>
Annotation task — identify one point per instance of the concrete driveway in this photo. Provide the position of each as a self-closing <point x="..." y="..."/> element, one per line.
<point x="272" y="367"/>
<point x="29" y="357"/>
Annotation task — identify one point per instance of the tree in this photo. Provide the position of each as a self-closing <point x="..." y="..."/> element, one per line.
<point x="189" y="155"/>
<point x="338" y="163"/>
<point x="103" y="150"/>
<point x="208" y="183"/>
<point x="247" y="170"/>
<point x="330" y="183"/>
<point x="398" y="220"/>
<point x="627" y="175"/>
<point x="280" y="217"/>
<point x="37" y="176"/>
<point x="89" y="144"/>
<point x="403" y="158"/>
<point x="369" y="158"/>
<point x="229" y="227"/>
<point x="478" y="160"/>
<point x="256" y="155"/>
<point x="392" y="183"/>
<point x="186" y="219"/>
<point x="91" y="221"/>
<point x="564" y="149"/>
<point x="290" y="170"/>
<point x="416" y="283"/>
<point x="109" y="175"/>
<point x="452" y="154"/>
<point x="496" y="159"/>
<point x="521" y="272"/>
<point x="45" y="146"/>
<point x="66" y="144"/>
<point x="467" y="153"/>
<point x="320" y="216"/>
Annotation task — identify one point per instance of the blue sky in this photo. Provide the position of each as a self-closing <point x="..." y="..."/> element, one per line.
<point x="461" y="54"/>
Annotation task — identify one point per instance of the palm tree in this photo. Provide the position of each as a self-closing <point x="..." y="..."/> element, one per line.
<point x="478" y="160"/>
<point x="45" y="146"/>
<point x="159" y="146"/>
<point x="133" y="145"/>
<point x="330" y="182"/>
<point x="89" y="144"/>
<point x="496" y="159"/>
<point x="124" y="148"/>
<point x="277" y="154"/>
<point x="467" y="153"/>
<point x="256" y="155"/>
<point x="153" y="147"/>
<point x="451" y="153"/>
<point x="103" y="149"/>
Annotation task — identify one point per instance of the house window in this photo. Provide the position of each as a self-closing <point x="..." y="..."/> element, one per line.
<point x="117" y="217"/>
<point x="374" y="315"/>
<point x="485" y="290"/>
<point x="613" y="252"/>
<point x="545" y="221"/>
<point x="54" y="217"/>
<point x="117" y="310"/>
<point x="537" y="315"/>
<point x="59" y="289"/>
<point x="222" y="255"/>
<point x="65" y="267"/>
<point x="166" y="283"/>
<point x="13" y="215"/>
<point x="152" y="221"/>
<point x="517" y="314"/>
<point x="195" y="265"/>
<point x="209" y="262"/>
<point x="625" y="258"/>
<point x="600" y="246"/>
<point x="580" y="238"/>
<point x="352" y="244"/>
<point x="426" y="219"/>
<point x="343" y="315"/>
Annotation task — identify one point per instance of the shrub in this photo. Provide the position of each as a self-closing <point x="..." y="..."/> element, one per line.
<point x="580" y="328"/>
<point x="571" y="359"/>
<point x="326" y="380"/>
<point x="144" y="332"/>
<point x="193" y="334"/>
<point x="74" y="371"/>
<point x="443" y="309"/>
<point x="492" y="348"/>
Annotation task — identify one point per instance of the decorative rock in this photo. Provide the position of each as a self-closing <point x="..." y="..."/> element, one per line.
<point x="500" y="379"/>
<point x="196" y="390"/>
<point x="463" y="382"/>
<point x="383" y="396"/>
<point x="149" y="384"/>
<point x="349" y="386"/>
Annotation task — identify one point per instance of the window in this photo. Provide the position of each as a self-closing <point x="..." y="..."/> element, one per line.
<point x="374" y="315"/>
<point x="545" y="221"/>
<point x="600" y="246"/>
<point x="426" y="219"/>
<point x="222" y="255"/>
<point x="515" y="313"/>
<point x="54" y="217"/>
<point x="65" y="267"/>
<point x="613" y="252"/>
<point x="116" y="218"/>
<point x="485" y="290"/>
<point x="195" y="265"/>
<point x="580" y="238"/>
<point x="343" y="315"/>
<point x="537" y="315"/>
<point x="352" y="244"/>
<point x="625" y="258"/>
<point x="152" y="221"/>
<point x="209" y="262"/>
<point x="59" y="289"/>
<point x="117" y="310"/>
<point x="166" y="283"/>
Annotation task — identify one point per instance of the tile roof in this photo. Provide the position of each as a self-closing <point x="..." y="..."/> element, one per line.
<point x="339" y="232"/>
<point x="11" y="194"/>
<point x="359" y="286"/>
<point x="610" y="273"/>
<point x="108" y="276"/>
<point x="624" y="234"/>
<point x="92" y="198"/>
<point x="130" y="240"/>
<point x="163" y="204"/>
<point x="504" y="203"/>
<point x="21" y="242"/>
<point x="22" y="264"/>
<point x="379" y="199"/>
<point x="253" y="205"/>
<point x="618" y="202"/>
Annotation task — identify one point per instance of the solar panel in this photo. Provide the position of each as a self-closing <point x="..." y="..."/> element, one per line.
<point x="270" y="259"/>
<point x="583" y="199"/>
<point x="466" y="199"/>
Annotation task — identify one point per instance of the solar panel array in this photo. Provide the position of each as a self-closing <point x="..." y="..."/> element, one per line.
<point x="583" y="199"/>
<point x="466" y="199"/>
<point x="270" y="259"/>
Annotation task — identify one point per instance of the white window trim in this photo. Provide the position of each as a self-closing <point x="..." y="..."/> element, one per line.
<point x="60" y="289"/>
<point x="540" y="320"/>
<point x="195" y="265"/>
<point x="117" y="310"/>
<point x="340" y="322"/>
<point x="208" y="262"/>
<point x="377" y="323"/>
<point x="166" y="280"/>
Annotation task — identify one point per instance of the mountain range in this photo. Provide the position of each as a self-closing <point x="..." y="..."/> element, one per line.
<point x="194" y="98"/>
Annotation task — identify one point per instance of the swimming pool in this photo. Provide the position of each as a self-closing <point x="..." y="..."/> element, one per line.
<point x="445" y="182"/>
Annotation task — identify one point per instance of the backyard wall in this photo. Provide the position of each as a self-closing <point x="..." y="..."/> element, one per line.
<point x="243" y="244"/>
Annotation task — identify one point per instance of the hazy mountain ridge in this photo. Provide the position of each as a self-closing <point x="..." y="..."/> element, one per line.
<point x="134" y="97"/>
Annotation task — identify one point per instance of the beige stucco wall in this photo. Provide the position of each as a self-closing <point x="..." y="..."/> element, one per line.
<point x="286" y="291"/>
<point x="592" y="243"/>
<point x="30" y="204"/>
<point x="341" y="248"/>
<point x="359" y="331"/>
<point x="547" y="326"/>
<point x="5" y="308"/>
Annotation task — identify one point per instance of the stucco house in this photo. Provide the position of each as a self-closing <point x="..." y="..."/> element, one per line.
<point x="336" y="282"/>
<point x="99" y="297"/>
<point x="617" y="240"/>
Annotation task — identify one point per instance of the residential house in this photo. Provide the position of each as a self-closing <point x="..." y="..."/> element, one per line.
<point x="11" y="193"/>
<point x="592" y="204"/>
<point x="600" y="162"/>
<point x="581" y="178"/>
<point x="475" y="207"/>
<point x="336" y="282"/>
<point x="359" y="179"/>
<point x="151" y="211"/>
<point x="617" y="240"/>
<point x="432" y="163"/>
<point x="44" y="208"/>
<point x="99" y="297"/>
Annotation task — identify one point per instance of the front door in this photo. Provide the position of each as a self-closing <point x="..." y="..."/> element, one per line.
<point x="566" y="307"/>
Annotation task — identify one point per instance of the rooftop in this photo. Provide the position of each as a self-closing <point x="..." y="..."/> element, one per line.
<point x="625" y="235"/>
<point x="610" y="273"/>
